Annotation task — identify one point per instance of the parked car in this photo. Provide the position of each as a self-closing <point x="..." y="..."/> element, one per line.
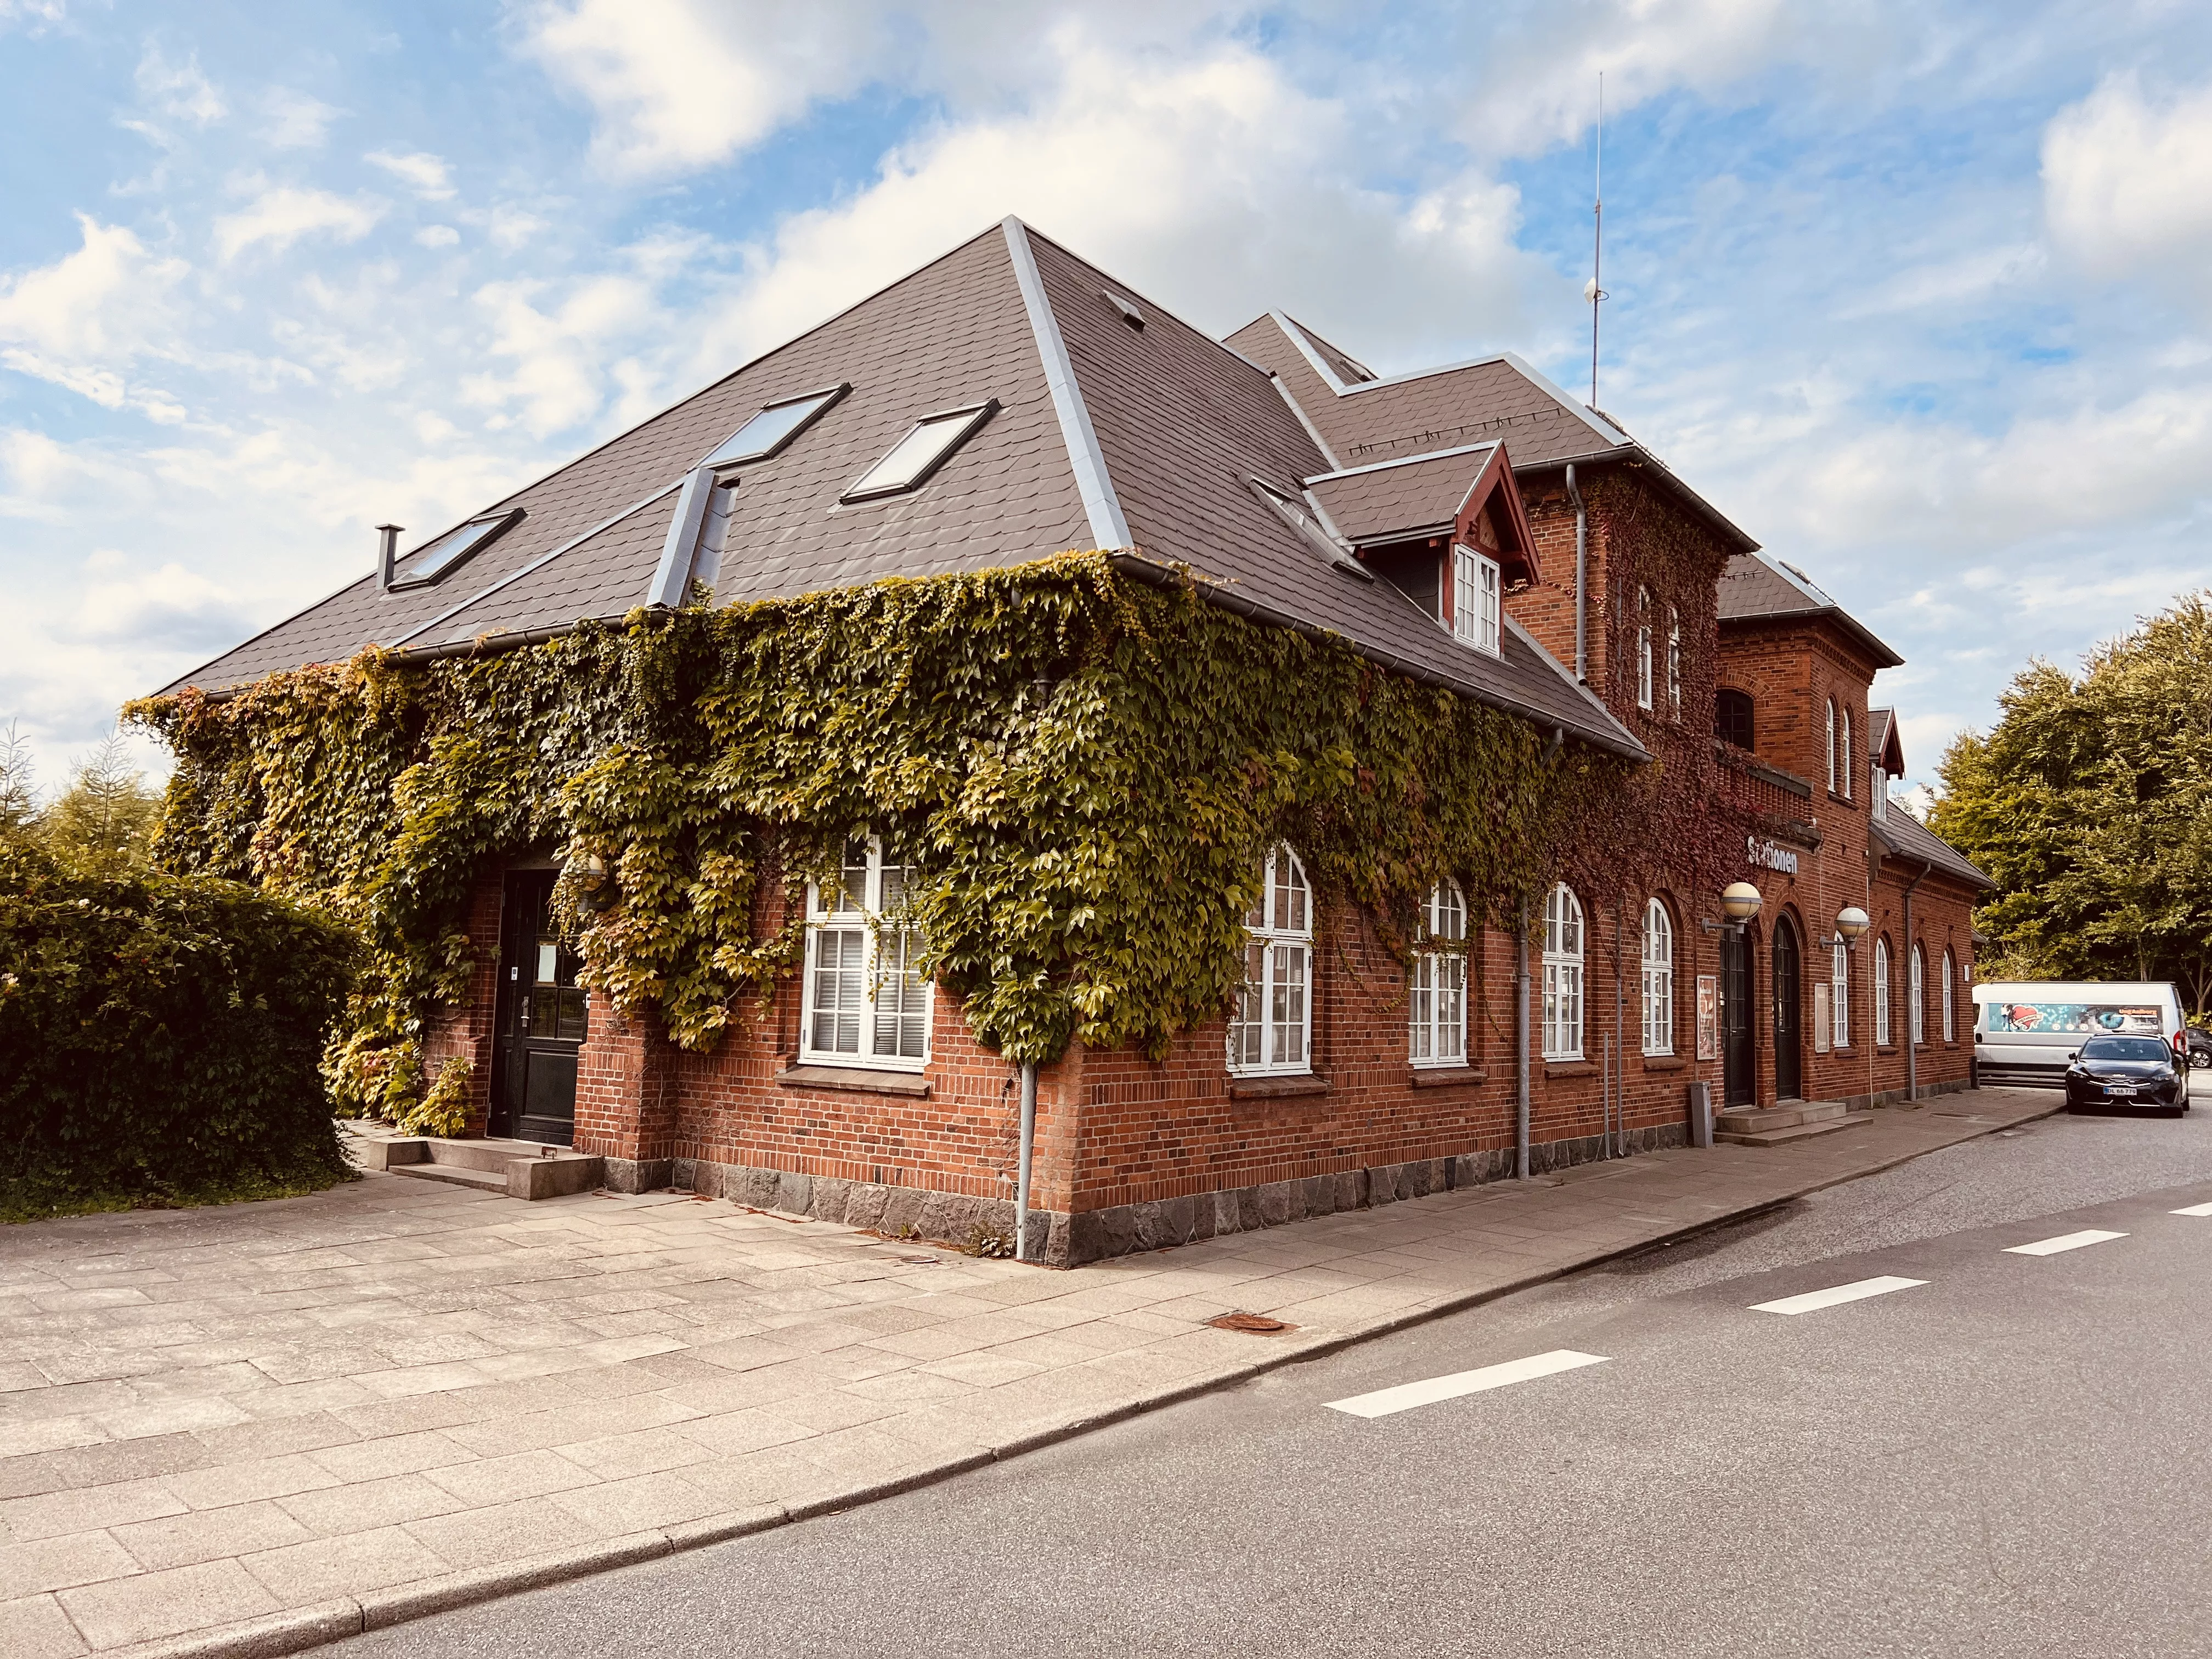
<point x="2126" y="1071"/>
<point x="2027" y="1032"/>
<point x="2200" y="1047"/>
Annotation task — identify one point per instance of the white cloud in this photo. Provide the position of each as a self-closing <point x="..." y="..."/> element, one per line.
<point x="2127" y="181"/>
<point x="169" y="608"/>
<point x="179" y="90"/>
<point x="97" y="303"/>
<point x="280" y="216"/>
<point x="296" y="120"/>
<point x="437" y="236"/>
<point x="425" y="174"/>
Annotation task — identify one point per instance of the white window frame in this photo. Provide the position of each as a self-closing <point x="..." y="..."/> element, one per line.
<point x="1658" y="979"/>
<point x="1881" y="994"/>
<point x="873" y="943"/>
<point x="1674" y="662"/>
<point x="1271" y="1029"/>
<point x="1839" y="982"/>
<point x="1476" y="585"/>
<point x="1878" y="801"/>
<point x="1950" y="1007"/>
<point x="1564" y="934"/>
<point x="1832" y="745"/>
<point x="1643" y="648"/>
<point x="1915" y="994"/>
<point x="1847" y="768"/>
<point x="1437" y="993"/>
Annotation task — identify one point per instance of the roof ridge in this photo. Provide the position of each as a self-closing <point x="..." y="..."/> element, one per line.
<point x="1108" y="527"/>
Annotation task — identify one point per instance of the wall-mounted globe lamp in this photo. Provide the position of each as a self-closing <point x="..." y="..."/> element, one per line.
<point x="1850" y="922"/>
<point x="1740" y="902"/>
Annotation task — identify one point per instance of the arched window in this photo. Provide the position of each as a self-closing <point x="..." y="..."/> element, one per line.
<point x="864" y="1003"/>
<point x="1644" y="647"/>
<point x="1839" y="992"/>
<point x="1732" y="719"/>
<point x="1832" y="743"/>
<point x="1562" y="975"/>
<point x="1950" y="1011"/>
<point x="1881" y="993"/>
<point x="1916" y="996"/>
<point x="1673" y="663"/>
<point x="1845" y="768"/>
<point x="1438" y="994"/>
<point x="1272" y="1031"/>
<point x="1658" y="980"/>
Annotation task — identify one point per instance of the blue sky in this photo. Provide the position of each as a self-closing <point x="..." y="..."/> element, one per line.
<point x="1916" y="293"/>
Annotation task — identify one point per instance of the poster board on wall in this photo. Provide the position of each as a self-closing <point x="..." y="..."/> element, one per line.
<point x="1709" y="1016"/>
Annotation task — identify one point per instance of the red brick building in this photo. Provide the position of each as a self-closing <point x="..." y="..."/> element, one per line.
<point x="1472" y="526"/>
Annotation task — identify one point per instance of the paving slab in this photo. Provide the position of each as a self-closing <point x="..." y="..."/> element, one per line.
<point x="270" y="1424"/>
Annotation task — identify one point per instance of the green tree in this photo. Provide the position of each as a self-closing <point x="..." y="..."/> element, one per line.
<point x="19" y="795"/>
<point x="2090" y="804"/>
<point x="104" y="822"/>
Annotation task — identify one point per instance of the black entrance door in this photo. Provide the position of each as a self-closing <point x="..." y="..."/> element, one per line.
<point x="1789" y="1074"/>
<point x="1739" y="1079"/>
<point x="541" y="1019"/>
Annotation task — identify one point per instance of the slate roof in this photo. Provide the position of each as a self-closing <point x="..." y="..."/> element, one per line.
<point x="1396" y="500"/>
<point x="1755" y="588"/>
<point x="1882" y="741"/>
<point x="1364" y="417"/>
<point x="1904" y="836"/>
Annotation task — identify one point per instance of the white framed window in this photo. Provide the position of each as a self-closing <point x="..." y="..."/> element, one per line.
<point x="1916" y="996"/>
<point x="1674" y="662"/>
<point x="1840" y="989"/>
<point x="1658" y="980"/>
<point x="1848" y="766"/>
<point x="1644" y="647"/>
<point x="1272" y="1033"/>
<point x="1878" y="799"/>
<point x="1950" y="1008"/>
<point x="1881" y="993"/>
<point x="864" y="1003"/>
<point x="1438" y="992"/>
<point x="1474" y="599"/>
<point x="1831" y="741"/>
<point x="1562" y="975"/>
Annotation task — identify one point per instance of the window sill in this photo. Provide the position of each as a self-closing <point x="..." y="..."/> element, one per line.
<point x="1665" y="1063"/>
<point x="1273" y="1088"/>
<point x="1885" y="1048"/>
<point x="854" y="1079"/>
<point x="1570" y="1068"/>
<point x="1448" y="1077"/>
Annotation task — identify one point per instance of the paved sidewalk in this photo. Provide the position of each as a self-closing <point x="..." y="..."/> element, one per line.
<point x="255" y="1429"/>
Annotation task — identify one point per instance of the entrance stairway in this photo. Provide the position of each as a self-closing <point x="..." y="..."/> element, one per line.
<point x="1790" y="1120"/>
<point x="512" y="1169"/>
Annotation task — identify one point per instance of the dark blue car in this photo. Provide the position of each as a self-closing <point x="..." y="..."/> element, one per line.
<point x="2126" y="1072"/>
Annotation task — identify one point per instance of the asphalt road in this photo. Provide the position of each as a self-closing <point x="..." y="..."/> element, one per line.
<point x="2013" y="1457"/>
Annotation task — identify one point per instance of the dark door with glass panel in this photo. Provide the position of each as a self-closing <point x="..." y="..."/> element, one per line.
<point x="1788" y="1065"/>
<point x="541" y="1019"/>
<point x="1739" y="1075"/>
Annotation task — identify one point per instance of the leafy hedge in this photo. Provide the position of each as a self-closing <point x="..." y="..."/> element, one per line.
<point x="159" y="1038"/>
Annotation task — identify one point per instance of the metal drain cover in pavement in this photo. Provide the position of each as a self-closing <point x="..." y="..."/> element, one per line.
<point x="1258" y="1324"/>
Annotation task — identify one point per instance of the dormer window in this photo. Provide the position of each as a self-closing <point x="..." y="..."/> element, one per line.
<point x="925" y="448"/>
<point x="1475" y="588"/>
<point x="775" y="427"/>
<point x="450" y="551"/>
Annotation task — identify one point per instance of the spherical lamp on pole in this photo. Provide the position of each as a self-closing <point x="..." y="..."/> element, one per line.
<point x="1740" y="902"/>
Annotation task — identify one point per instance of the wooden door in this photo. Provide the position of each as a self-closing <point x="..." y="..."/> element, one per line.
<point x="1788" y="1049"/>
<point x="1739" y="1069"/>
<point x="542" y="1019"/>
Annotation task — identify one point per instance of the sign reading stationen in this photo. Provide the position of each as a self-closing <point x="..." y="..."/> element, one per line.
<point x="1769" y="855"/>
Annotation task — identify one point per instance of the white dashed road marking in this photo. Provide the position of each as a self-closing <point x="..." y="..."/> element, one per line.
<point x="2063" y="1242"/>
<point x="1406" y="1395"/>
<point x="2194" y="1209"/>
<point x="1813" y="1301"/>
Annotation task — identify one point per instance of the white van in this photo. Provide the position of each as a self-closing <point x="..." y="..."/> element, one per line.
<point x="2025" y="1031"/>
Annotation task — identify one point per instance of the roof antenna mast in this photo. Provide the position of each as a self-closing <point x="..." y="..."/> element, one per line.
<point x="1593" y="293"/>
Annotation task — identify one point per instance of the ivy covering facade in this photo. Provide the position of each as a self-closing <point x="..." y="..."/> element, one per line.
<point x="1084" y="769"/>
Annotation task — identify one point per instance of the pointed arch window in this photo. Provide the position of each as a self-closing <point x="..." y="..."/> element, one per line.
<point x="1831" y="741"/>
<point x="1644" y="647"/>
<point x="1438" y="990"/>
<point x="1563" y="974"/>
<point x="1272" y="1034"/>
<point x="1839" y="992"/>
<point x="1916" y="996"/>
<point x="1950" y="1008"/>
<point x="1881" y="993"/>
<point x="1658" y="980"/>
<point x="1845" y="770"/>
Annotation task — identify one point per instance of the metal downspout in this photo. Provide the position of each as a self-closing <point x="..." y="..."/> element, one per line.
<point x="1521" y="1047"/>
<point x="1912" y="956"/>
<point x="1619" y="1032"/>
<point x="1581" y="566"/>
<point x="1022" y="1177"/>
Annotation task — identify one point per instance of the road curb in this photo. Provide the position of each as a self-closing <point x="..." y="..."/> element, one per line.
<point x="281" y="1634"/>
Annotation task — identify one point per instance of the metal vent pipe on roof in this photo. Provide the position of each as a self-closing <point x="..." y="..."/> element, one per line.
<point x="1582" y="559"/>
<point x="387" y="552"/>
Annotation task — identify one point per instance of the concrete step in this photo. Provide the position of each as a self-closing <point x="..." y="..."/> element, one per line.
<point x="519" y="1169"/>
<point x="1783" y="1114"/>
<point x="1782" y="1135"/>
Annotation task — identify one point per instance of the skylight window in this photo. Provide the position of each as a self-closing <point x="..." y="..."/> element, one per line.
<point x="441" y="557"/>
<point x="1296" y="513"/>
<point x="922" y="452"/>
<point x="776" y="426"/>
